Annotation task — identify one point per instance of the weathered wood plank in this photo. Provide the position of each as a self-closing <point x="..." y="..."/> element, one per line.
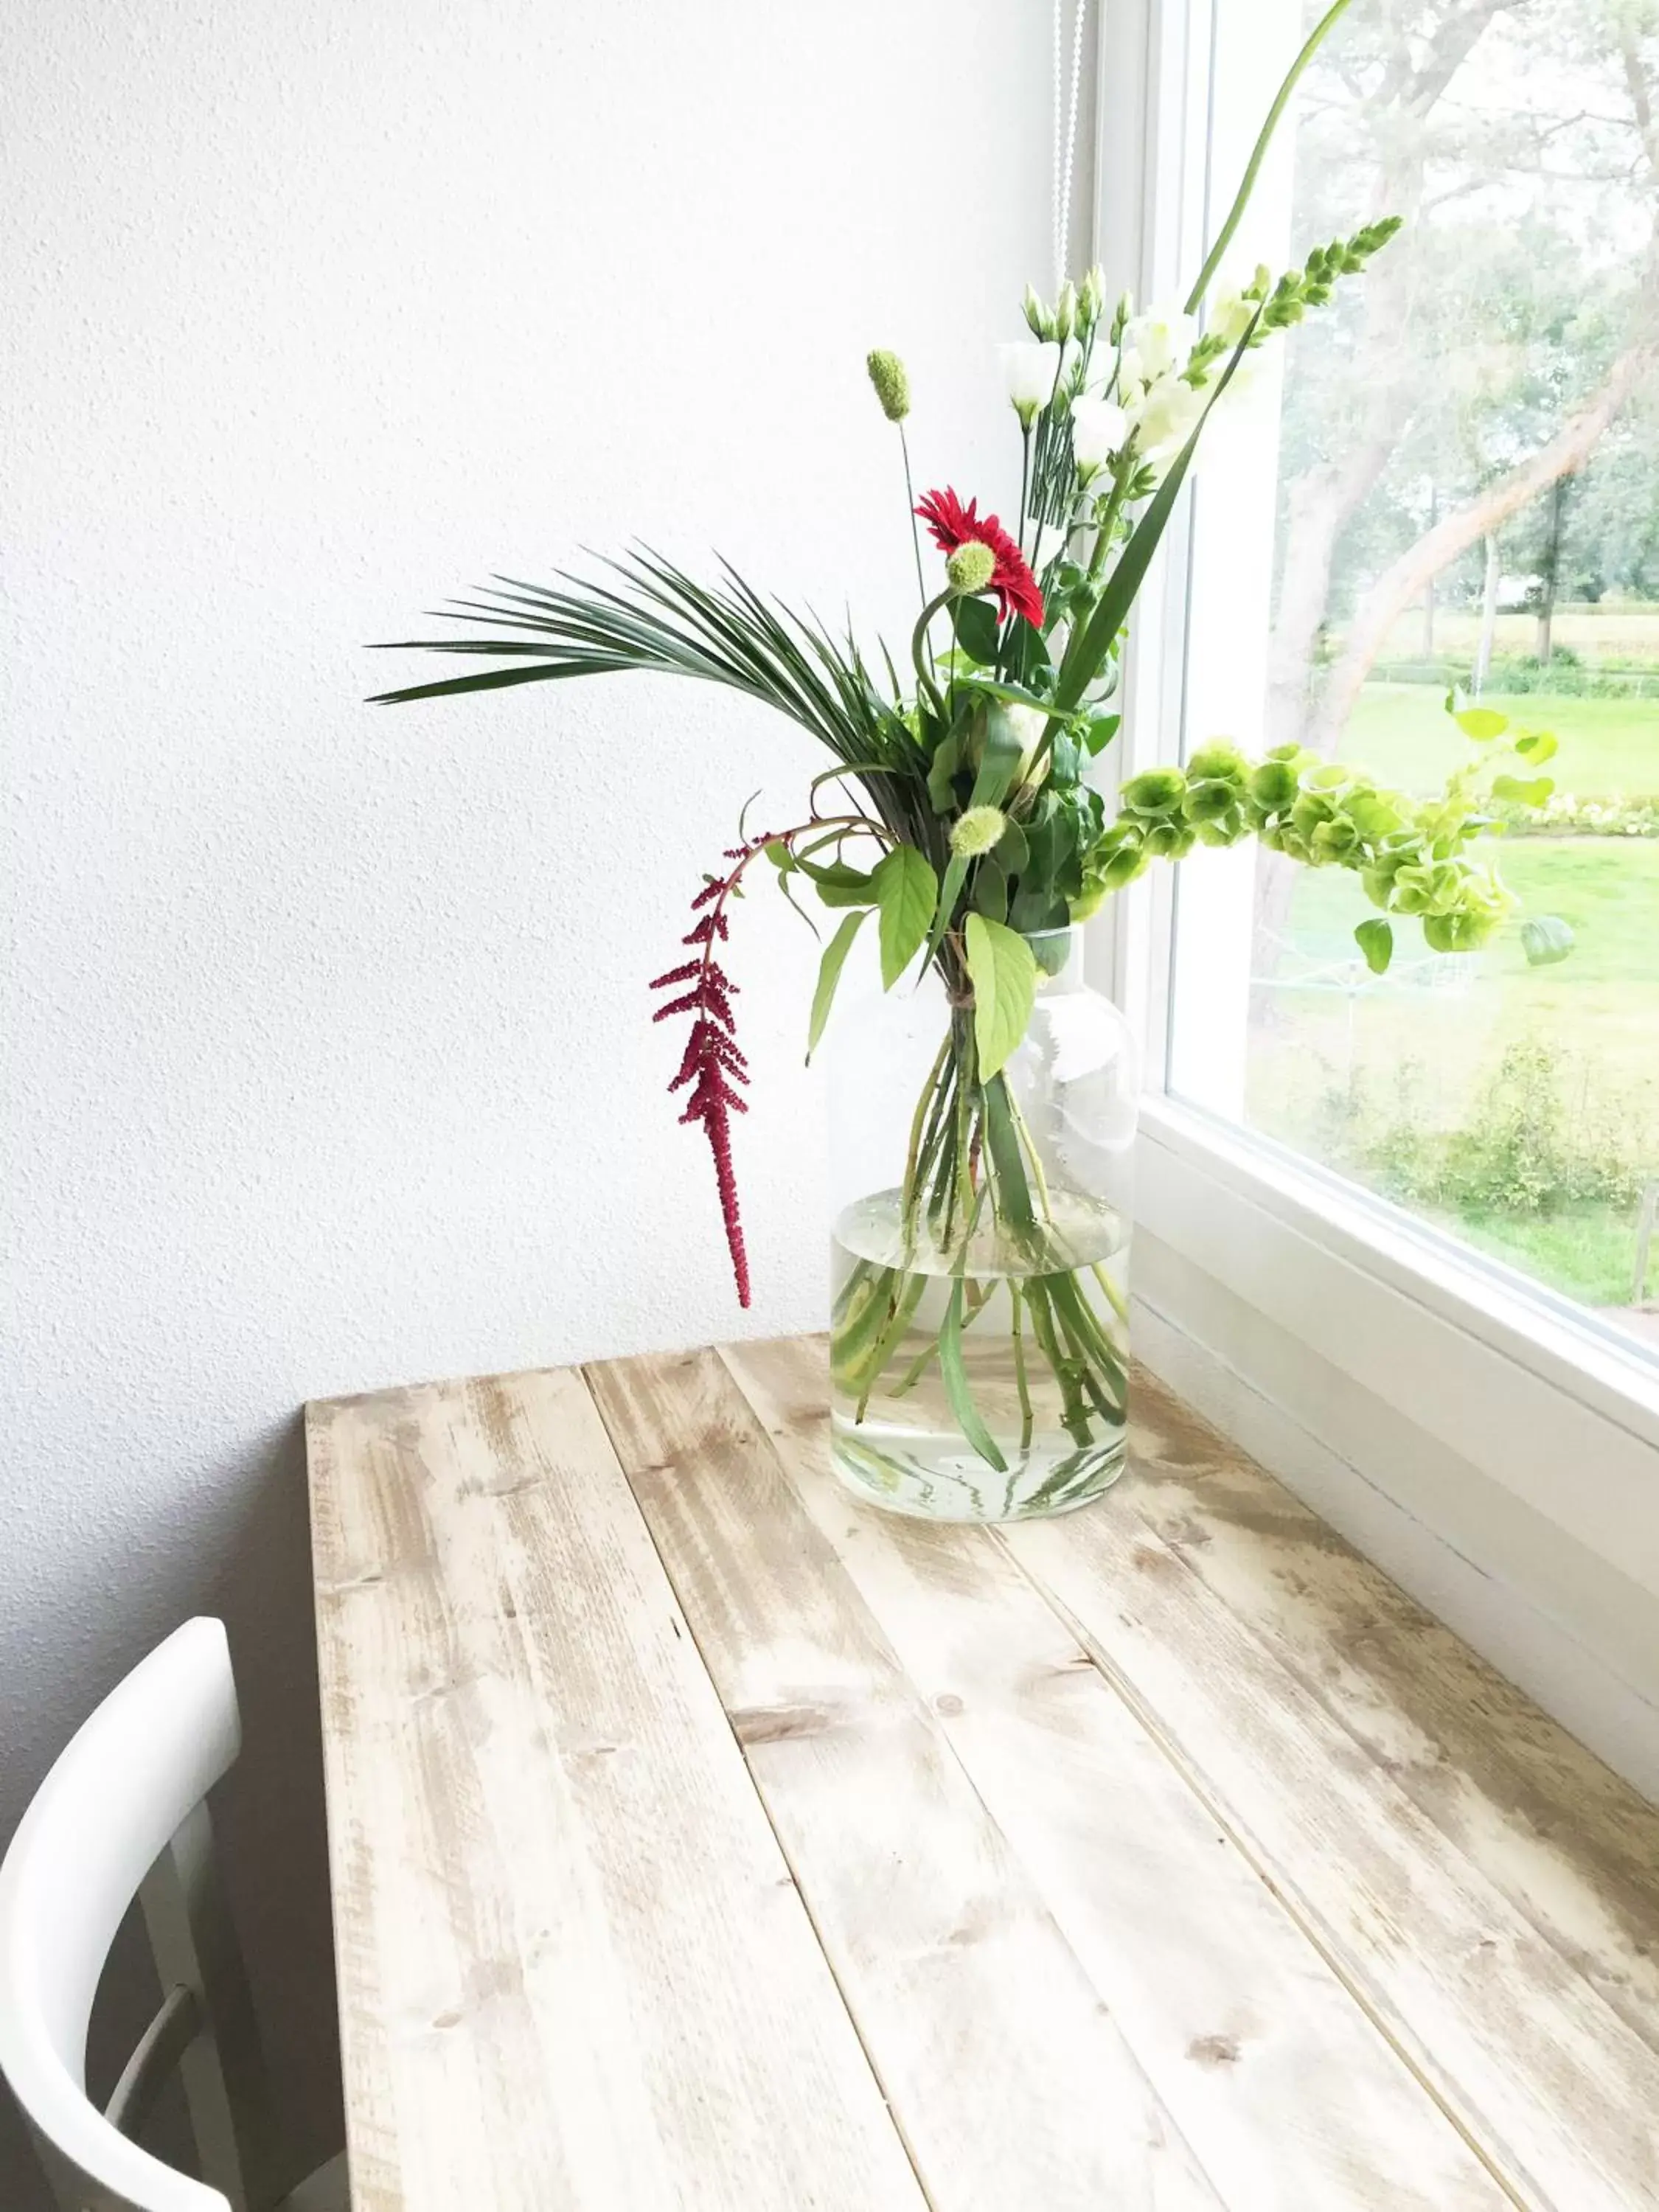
<point x="574" y="1968"/>
<point x="1559" y="2093"/>
<point x="1567" y="1841"/>
<point x="1289" y="2094"/>
<point x="1012" y="2085"/>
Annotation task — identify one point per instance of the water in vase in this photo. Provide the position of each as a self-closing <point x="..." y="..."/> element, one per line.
<point x="1040" y="1341"/>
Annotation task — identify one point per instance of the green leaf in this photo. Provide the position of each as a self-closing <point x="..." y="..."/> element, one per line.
<point x="1013" y="851"/>
<point x="1016" y="695"/>
<point x="1007" y="1163"/>
<point x="907" y="890"/>
<point x="947" y="760"/>
<point x="837" y="882"/>
<point x="1537" y="746"/>
<point x="991" y="891"/>
<point x="1374" y="938"/>
<point x="829" y="968"/>
<point x="997" y="766"/>
<point x="780" y="855"/>
<point x="956" y="874"/>
<point x="1065" y="759"/>
<point x="1101" y="731"/>
<point x="1481" y="723"/>
<point x="951" y="1367"/>
<point x="1545" y="938"/>
<point x="836" y="893"/>
<point x="1522" y="792"/>
<point x="975" y="625"/>
<point x="1004" y="977"/>
<point x="1036" y="908"/>
<point x="999" y="761"/>
<point x="458" y="684"/>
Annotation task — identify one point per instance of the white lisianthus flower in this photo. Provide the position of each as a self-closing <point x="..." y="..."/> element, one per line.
<point x="1164" y="419"/>
<point x="1098" y="431"/>
<point x="1031" y="369"/>
<point x="1161" y="339"/>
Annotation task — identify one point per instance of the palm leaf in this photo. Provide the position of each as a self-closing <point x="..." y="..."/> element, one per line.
<point x="656" y="618"/>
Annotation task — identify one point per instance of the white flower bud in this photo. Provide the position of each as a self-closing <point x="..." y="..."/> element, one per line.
<point x="1038" y="320"/>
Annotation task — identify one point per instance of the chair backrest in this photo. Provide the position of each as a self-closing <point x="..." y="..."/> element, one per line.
<point x="121" y="1814"/>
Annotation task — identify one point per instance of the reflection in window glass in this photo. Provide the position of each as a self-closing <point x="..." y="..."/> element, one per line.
<point x="1469" y="494"/>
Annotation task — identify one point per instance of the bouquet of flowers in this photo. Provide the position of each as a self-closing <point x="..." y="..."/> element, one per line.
<point x="966" y="823"/>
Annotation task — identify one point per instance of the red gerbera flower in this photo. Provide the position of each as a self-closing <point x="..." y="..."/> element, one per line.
<point x="953" y="524"/>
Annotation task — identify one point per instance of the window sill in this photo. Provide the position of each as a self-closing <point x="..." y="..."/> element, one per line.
<point x="1549" y="1407"/>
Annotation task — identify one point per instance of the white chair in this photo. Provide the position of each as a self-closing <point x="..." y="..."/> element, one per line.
<point x="124" y="1813"/>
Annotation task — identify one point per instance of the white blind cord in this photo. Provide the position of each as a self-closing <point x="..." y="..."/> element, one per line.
<point x="1065" y="129"/>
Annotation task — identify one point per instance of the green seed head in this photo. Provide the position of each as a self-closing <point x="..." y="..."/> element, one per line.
<point x="970" y="567"/>
<point x="892" y="384"/>
<point x="977" y="830"/>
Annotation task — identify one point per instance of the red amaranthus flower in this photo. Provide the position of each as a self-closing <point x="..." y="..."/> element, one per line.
<point x="953" y="524"/>
<point x="711" y="1063"/>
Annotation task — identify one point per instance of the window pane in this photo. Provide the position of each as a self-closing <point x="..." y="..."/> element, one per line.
<point x="1465" y="493"/>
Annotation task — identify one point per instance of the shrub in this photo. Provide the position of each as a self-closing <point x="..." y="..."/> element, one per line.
<point x="1543" y="1135"/>
<point x="1562" y="815"/>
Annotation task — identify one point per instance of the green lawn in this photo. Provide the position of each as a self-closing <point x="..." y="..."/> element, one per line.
<point x="1609" y="747"/>
<point x="1587" y="1252"/>
<point x="1607" y="888"/>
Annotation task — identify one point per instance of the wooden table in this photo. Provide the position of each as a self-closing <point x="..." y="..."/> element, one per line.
<point x="701" y="1838"/>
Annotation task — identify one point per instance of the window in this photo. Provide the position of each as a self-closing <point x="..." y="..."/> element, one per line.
<point x="1375" y="526"/>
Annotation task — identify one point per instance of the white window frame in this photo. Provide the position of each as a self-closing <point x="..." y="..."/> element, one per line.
<point x="1496" y="1448"/>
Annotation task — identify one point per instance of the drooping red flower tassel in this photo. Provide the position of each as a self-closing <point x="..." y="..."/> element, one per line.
<point x="712" y="1063"/>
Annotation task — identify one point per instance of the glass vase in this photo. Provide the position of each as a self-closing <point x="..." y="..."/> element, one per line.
<point x="979" y="1332"/>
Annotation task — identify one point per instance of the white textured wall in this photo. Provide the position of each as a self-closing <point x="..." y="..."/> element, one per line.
<point x="328" y="1058"/>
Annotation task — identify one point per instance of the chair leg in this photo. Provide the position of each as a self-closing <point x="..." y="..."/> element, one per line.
<point x="224" y="2072"/>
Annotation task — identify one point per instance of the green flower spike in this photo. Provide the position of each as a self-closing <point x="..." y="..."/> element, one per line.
<point x="978" y="829"/>
<point x="970" y="567"/>
<point x="892" y="384"/>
